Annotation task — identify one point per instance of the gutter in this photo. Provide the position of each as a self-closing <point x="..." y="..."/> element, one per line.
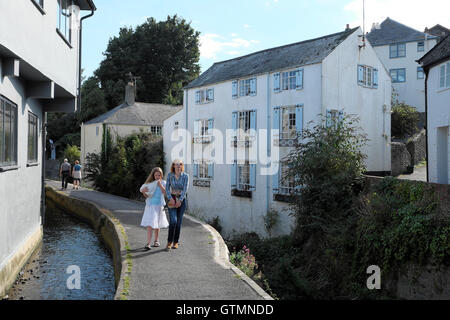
<point x="426" y="121"/>
<point x="93" y="8"/>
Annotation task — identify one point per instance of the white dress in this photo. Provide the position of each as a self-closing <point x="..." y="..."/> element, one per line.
<point x="154" y="215"/>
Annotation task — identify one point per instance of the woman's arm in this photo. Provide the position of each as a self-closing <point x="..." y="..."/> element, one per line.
<point x="161" y="186"/>
<point x="185" y="187"/>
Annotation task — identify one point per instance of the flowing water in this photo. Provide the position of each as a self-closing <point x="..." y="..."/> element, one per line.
<point x="71" y="264"/>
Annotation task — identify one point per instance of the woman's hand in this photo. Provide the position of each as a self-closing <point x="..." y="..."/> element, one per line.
<point x="172" y="202"/>
<point x="178" y="203"/>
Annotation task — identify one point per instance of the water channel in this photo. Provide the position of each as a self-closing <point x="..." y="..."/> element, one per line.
<point x="69" y="245"/>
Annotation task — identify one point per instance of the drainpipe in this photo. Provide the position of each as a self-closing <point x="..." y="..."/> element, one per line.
<point x="44" y="138"/>
<point x="93" y="8"/>
<point x="426" y="121"/>
<point x="269" y="146"/>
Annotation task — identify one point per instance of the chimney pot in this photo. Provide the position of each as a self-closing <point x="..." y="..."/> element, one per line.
<point x="130" y="94"/>
<point x="347" y="27"/>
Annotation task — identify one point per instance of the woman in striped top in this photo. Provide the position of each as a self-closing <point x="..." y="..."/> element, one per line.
<point x="176" y="190"/>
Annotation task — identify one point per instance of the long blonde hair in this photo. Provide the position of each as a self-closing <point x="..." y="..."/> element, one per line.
<point x="151" y="176"/>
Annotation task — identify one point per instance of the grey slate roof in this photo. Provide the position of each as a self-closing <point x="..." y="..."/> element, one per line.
<point x="439" y="53"/>
<point x="150" y="114"/>
<point x="291" y="55"/>
<point x="392" y="31"/>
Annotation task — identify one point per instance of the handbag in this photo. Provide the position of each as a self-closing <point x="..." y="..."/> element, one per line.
<point x="175" y="198"/>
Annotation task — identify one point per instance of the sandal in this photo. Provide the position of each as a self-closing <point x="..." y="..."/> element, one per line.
<point x="147" y="247"/>
<point x="156" y="244"/>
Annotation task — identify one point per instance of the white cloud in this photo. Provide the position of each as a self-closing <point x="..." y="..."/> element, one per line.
<point x="246" y="26"/>
<point x="212" y="44"/>
<point x="416" y="14"/>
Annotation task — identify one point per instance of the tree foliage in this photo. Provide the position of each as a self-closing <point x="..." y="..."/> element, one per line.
<point x="404" y="120"/>
<point x="163" y="54"/>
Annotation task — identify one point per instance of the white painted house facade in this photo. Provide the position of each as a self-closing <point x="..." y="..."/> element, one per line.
<point x="282" y="88"/>
<point x="436" y="64"/>
<point x="39" y="73"/>
<point x="398" y="47"/>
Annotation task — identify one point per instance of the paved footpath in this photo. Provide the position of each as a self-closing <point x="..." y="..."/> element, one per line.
<point x="188" y="273"/>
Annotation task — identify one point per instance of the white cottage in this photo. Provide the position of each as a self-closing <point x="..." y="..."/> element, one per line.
<point x="398" y="47"/>
<point x="128" y="118"/>
<point x="39" y="73"/>
<point x="436" y="64"/>
<point x="280" y="88"/>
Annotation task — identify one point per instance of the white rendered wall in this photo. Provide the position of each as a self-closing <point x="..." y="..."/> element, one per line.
<point x="438" y="117"/>
<point x="20" y="189"/>
<point x="236" y="213"/>
<point x="168" y="143"/>
<point x="341" y="91"/>
<point x="37" y="41"/>
<point x="412" y="91"/>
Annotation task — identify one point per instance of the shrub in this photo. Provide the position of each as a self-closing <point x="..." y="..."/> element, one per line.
<point x="123" y="167"/>
<point x="72" y="153"/>
<point x="404" y="120"/>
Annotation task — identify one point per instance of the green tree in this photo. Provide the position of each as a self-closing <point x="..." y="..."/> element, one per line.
<point x="163" y="54"/>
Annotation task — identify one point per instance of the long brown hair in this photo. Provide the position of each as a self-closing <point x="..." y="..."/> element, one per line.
<point x="151" y="176"/>
<point x="172" y="167"/>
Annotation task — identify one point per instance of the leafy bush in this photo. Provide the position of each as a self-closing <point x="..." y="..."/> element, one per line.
<point x="328" y="163"/>
<point x="72" y="153"/>
<point x="404" y="120"/>
<point x="123" y="167"/>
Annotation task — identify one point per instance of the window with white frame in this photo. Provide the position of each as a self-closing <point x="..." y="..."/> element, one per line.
<point x="286" y="180"/>
<point x="156" y="130"/>
<point x="288" y="80"/>
<point x="203" y="127"/>
<point x="204" y="96"/>
<point x="420" y="46"/>
<point x="444" y="75"/>
<point x="243" y="175"/>
<point x="288" y="124"/>
<point x="398" y="75"/>
<point x="397" y="50"/>
<point x="334" y="117"/>
<point x="367" y="76"/>
<point x="32" y="138"/>
<point x="247" y="87"/>
<point x="8" y="133"/>
<point x="203" y="170"/>
<point x="420" y="74"/>
<point x="64" y="17"/>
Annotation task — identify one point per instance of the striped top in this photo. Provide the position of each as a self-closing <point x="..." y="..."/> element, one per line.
<point x="180" y="184"/>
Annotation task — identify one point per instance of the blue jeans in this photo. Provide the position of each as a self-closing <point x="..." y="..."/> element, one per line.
<point x="176" y="218"/>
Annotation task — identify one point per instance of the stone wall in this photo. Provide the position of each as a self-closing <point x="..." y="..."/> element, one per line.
<point x="406" y="154"/>
<point x="416" y="146"/>
<point x="400" y="158"/>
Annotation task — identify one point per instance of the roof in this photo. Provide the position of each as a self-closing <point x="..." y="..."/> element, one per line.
<point x="391" y="31"/>
<point x="87" y="5"/>
<point x="438" y="31"/>
<point x="139" y="113"/>
<point x="291" y="55"/>
<point x="439" y="53"/>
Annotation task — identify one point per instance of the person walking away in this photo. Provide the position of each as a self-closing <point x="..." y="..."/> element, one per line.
<point x="177" y="185"/>
<point x="76" y="174"/>
<point x="64" y="172"/>
<point x="154" y="216"/>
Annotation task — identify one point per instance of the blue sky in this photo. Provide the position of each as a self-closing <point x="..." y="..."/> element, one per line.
<point x="231" y="28"/>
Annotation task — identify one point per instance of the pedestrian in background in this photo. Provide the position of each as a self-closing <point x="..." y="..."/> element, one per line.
<point x="64" y="172"/>
<point x="76" y="174"/>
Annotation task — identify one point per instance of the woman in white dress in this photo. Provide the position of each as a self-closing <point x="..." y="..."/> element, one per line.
<point x="154" y="216"/>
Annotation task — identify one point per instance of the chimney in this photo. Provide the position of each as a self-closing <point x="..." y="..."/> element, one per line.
<point x="130" y="94"/>
<point x="347" y="27"/>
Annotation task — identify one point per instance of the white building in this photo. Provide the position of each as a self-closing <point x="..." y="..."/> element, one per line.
<point x="436" y="64"/>
<point x="39" y="73"/>
<point x="280" y="88"/>
<point x="128" y="118"/>
<point x="398" y="47"/>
